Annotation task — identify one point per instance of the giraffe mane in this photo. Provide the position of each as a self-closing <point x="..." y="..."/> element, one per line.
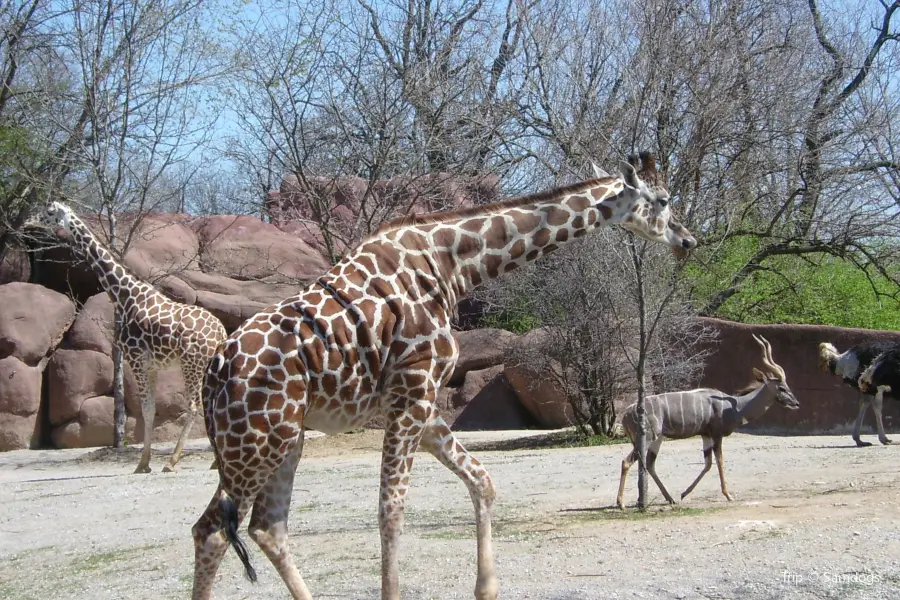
<point x="484" y="209"/>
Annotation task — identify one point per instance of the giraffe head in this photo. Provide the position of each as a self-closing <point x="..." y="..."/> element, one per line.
<point x="644" y="205"/>
<point x="54" y="215"/>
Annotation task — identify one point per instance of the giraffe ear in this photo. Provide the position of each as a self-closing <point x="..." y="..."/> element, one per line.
<point x="628" y="174"/>
<point x="598" y="172"/>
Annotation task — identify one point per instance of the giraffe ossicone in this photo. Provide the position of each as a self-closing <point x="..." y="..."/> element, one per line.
<point x="372" y="337"/>
<point x="157" y="332"/>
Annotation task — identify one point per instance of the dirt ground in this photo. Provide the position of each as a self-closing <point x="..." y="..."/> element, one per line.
<point x="813" y="518"/>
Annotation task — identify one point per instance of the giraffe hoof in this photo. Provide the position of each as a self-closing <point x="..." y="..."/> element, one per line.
<point x="142" y="469"/>
<point x="886" y="442"/>
<point x="729" y="497"/>
<point x="487" y="588"/>
<point x="168" y="469"/>
<point x="862" y="444"/>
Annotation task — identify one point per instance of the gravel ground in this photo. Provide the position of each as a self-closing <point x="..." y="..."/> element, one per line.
<point x="813" y="518"/>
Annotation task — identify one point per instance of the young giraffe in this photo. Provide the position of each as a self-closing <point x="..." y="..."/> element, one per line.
<point x="372" y="336"/>
<point x="157" y="332"/>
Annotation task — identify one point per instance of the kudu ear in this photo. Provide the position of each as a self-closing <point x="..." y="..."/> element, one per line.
<point x="759" y="374"/>
<point x="628" y="174"/>
<point x="598" y="172"/>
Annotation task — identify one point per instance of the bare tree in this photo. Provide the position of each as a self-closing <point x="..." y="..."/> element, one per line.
<point x="381" y="92"/>
<point x="614" y="320"/>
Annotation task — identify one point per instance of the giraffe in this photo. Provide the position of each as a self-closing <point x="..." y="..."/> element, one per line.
<point x="372" y="336"/>
<point x="157" y="331"/>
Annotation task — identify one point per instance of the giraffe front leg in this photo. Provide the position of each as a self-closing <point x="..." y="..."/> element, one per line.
<point x="146" y="384"/>
<point x="440" y="442"/>
<point x="406" y="420"/>
<point x="193" y="380"/>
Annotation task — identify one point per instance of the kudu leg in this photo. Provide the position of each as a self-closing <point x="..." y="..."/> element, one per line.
<point x="863" y="405"/>
<point x="717" y="449"/>
<point x="707" y="455"/>
<point x="652" y="453"/>
<point x="877" y="404"/>
<point x="626" y="464"/>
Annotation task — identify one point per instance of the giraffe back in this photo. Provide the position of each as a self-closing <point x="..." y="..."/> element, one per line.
<point x="169" y="332"/>
<point x="372" y="327"/>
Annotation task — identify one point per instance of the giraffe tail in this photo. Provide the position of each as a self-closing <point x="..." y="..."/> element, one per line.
<point x="229" y="514"/>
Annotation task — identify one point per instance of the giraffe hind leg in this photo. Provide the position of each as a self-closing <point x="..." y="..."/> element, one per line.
<point x="145" y="378"/>
<point x="193" y="378"/>
<point x="438" y="440"/>
<point x="216" y="529"/>
<point x="268" y="523"/>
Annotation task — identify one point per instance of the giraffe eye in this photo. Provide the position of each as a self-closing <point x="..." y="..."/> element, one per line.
<point x="663" y="202"/>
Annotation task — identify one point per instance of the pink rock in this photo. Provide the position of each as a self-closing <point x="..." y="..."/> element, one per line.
<point x="33" y="321"/>
<point x="480" y="349"/>
<point x="20" y="387"/>
<point x="72" y="377"/>
<point x="19" y="433"/>
<point x="494" y="406"/>
<point x="20" y="401"/>
<point x="93" y="327"/>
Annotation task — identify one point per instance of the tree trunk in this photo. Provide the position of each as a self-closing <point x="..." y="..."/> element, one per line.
<point x="641" y="441"/>
<point x="118" y="387"/>
<point x="118" y="371"/>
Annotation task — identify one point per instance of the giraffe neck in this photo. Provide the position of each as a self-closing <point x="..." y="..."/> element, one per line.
<point x="470" y="248"/>
<point x="121" y="286"/>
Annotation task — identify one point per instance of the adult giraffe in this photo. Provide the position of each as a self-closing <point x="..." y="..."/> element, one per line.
<point x="372" y="336"/>
<point x="157" y="332"/>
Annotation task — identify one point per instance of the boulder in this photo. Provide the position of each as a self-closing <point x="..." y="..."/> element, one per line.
<point x="72" y="377"/>
<point x="244" y="247"/>
<point x="15" y="267"/>
<point x="480" y="349"/>
<point x="495" y="406"/>
<point x="170" y="398"/>
<point x="93" y="327"/>
<point x="473" y="383"/>
<point x="33" y="321"/>
<point x="19" y="433"/>
<point x="168" y="431"/>
<point x="542" y="399"/>
<point x="20" y="387"/>
<point x="20" y="401"/>
<point x="94" y="426"/>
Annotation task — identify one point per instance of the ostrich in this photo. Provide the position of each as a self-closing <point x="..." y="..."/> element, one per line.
<point x="882" y="376"/>
<point x="709" y="413"/>
<point x="850" y="365"/>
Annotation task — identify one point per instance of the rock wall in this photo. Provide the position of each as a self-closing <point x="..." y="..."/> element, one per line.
<point x="827" y="405"/>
